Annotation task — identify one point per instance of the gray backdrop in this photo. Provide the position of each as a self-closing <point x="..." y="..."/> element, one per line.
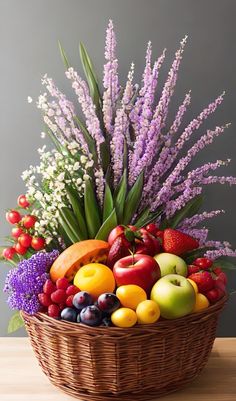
<point x="29" y="31"/>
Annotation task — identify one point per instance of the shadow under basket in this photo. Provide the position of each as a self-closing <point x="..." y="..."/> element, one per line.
<point x="110" y="363"/>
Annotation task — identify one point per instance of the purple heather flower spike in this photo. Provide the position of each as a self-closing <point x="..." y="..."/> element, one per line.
<point x="25" y="282"/>
<point x="117" y="143"/>
<point x="199" y="218"/>
<point x="180" y="114"/>
<point x="215" y="254"/>
<point x="199" y="233"/>
<point x="129" y="87"/>
<point x="88" y="108"/>
<point x="110" y="79"/>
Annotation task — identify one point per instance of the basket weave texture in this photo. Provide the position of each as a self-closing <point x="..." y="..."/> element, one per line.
<point x="110" y="363"/>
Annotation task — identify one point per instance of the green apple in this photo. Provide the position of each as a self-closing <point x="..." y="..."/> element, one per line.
<point x="171" y="264"/>
<point x="175" y="296"/>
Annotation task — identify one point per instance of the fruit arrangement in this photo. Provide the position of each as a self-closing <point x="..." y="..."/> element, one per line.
<point x="108" y="231"/>
<point x="93" y="283"/>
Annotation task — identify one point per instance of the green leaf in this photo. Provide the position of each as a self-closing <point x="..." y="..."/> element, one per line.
<point x="108" y="225"/>
<point x="91" y="209"/>
<point x="15" y="323"/>
<point x="120" y="195"/>
<point x="191" y="208"/>
<point x="108" y="204"/>
<point x="189" y="257"/>
<point x="142" y="217"/>
<point x="78" y="211"/>
<point x="90" y="141"/>
<point x="63" y="56"/>
<point x="90" y="76"/>
<point x="225" y="263"/>
<point x="70" y="224"/>
<point x="64" y="235"/>
<point x="105" y="157"/>
<point x="152" y="217"/>
<point x="133" y="199"/>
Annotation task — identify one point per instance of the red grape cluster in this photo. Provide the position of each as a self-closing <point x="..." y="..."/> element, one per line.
<point x="56" y="297"/>
<point x="23" y="232"/>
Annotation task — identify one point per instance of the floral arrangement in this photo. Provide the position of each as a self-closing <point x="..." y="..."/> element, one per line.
<point x="115" y="182"/>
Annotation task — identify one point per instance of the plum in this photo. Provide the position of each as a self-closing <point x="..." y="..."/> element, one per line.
<point x="82" y="299"/>
<point x="91" y="315"/>
<point x="108" y="302"/>
<point x="69" y="314"/>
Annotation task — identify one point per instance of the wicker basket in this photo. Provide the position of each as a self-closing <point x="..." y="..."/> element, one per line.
<point x="109" y="363"/>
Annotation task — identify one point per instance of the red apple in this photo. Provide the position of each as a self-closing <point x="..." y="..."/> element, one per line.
<point x="138" y="269"/>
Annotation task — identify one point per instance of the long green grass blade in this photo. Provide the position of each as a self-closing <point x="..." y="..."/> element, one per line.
<point x="107" y="226"/>
<point x="188" y="210"/>
<point x="78" y="211"/>
<point x="139" y="222"/>
<point x="90" y="141"/>
<point x="70" y="224"/>
<point x="119" y="197"/>
<point x="108" y="203"/>
<point x="133" y="199"/>
<point x="91" y="209"/>
<point x="63" y="56"/>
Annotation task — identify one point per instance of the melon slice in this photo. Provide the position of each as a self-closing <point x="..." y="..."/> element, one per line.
<point x="77" y="255"/>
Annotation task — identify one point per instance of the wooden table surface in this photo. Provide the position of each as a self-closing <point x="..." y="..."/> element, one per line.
<point x="21" y="379"/>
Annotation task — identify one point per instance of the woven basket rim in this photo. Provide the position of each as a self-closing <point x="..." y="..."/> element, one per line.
<point x="75" y="328"/>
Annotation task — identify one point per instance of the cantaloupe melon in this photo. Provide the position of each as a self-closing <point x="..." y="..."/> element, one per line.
<point x="78" y="255"/>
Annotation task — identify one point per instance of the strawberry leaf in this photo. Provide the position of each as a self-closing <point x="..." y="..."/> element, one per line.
<point x="107" y="226"/>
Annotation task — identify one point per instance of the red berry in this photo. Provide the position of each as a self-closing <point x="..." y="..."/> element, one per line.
<point x="16" y="232"/>
<point x="21" y="250"/>
<point x="222" y="276"/>
<point x="204" y="263"/>
<point x="44" y="299"/>
<point x="192" y="269"/>
<point x="49" y="287"/>
<point x="25" y="240"/>
<point x="219" y="284"/>
<point x="53" y="311"/>
<point x="8" y="253"/>
<point x="69" y="301"/>
<point x="213" y="295"/>
<point x="58" y="296"/>
<point x="29" y="221"/>
<point x="203" y="280"/>
<point x="62" y="283"/>
<point x="13" y="217"/>
<point x="152" y="228"/>
<point x="217" y="271"/>
<point x="22" y="201"/>
<point x="72" y="290"/>
<point x="38" y="243"/>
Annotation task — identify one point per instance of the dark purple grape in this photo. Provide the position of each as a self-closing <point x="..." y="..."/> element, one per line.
<point x="108" y="302"/>
<point x="91" y="315"/>
<point x="82" y="299"/>
<point x="69" y="314"/>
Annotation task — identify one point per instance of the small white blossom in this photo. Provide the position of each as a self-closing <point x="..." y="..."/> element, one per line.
<point x="61" y="176"/>
<point x="43" y="135"/>
<point x="76" y="166"/>
<point x="83" y="159"/>
<point x="29" y="99"/>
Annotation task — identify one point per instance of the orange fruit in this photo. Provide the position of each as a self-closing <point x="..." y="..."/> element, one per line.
<point x="131" y="295"/>
<point x="201" y="303"/>
<point x="124" y="317"/>
<point x="79" y="254"/>
<point x="195" y="287"/>
<point x="95" y="278"/>
<point x="148" y="312"/>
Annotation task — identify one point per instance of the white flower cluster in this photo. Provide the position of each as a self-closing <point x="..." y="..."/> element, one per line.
<point x="46" y="184"/>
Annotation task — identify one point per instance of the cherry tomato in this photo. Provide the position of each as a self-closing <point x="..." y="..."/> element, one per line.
<point x="13" y="217"/>
<point x="204" y="263"/>
<point x="16" y="232"/>
<point x="29" y="221"/>
<point x="38" y="243"/>
<point x="25" y="240"/>
<point x="21" y="250"/>
<point x="22" y="202"/>
<point x="152" y="228"/>
<point x="8" y="253"/>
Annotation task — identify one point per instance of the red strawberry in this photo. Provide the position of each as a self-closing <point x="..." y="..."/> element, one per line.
<point x="192" y="269"/>
<point x="203" y="280"/>
<point x="217" y="271"/>
<point x="222" y="276"/>
<point x="118" y="250"/>
<point x="219" y="284"/>
<point x="177" y="242"/>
